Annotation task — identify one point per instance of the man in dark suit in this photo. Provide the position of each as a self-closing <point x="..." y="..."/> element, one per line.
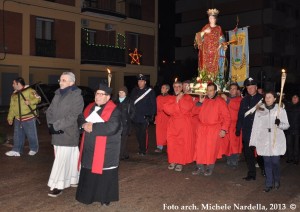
<point x="244" y="125"/>
<point x="144" y="104"/>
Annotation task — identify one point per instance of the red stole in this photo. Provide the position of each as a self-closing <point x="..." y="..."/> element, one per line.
<point x="100" y="144"/>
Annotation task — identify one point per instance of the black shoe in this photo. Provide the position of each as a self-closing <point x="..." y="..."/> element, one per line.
<point x="54" y="193"/>
<point x="296" y="162"/>
<point x="263" y="173"/>
<point x="277" y="185"/>
<point x="289" y="161"/>
<point x="105" y="203"/>
<point x="248" y="178"/>
<point x="267" y="189"/>
<point x="198" y="171"/>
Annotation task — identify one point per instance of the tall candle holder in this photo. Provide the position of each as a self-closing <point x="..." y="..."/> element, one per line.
<point x="283" y="78"/>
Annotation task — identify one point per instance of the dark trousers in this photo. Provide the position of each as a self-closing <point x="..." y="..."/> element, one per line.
<point x="123" y="150"/>
<point x="272" y="169"/>
<point x="293" y="147"/>
<point x="141" y="130"/>
<point x="250" y="159"/>
<point x="260" y="161"/>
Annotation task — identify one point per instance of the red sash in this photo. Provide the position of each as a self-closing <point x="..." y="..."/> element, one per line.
<point x="100" y="144"/>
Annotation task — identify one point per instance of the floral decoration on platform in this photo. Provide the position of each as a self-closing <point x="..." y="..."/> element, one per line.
<point x="205" y="77"/>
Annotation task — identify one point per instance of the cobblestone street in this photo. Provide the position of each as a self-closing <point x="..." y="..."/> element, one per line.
<point x="145" y="184"/>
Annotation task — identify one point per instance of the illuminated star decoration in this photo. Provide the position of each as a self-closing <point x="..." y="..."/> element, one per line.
<point x="135" y="57"/>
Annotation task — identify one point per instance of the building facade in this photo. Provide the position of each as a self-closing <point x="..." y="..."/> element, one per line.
<point x="43" y="38"/>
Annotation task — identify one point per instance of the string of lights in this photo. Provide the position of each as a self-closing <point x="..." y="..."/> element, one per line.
<point x="101" y="45"/>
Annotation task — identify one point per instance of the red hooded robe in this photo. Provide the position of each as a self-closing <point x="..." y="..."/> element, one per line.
<point x="179" y="133"/>
<point x="161" y="120"/>
<point x="213" y="117"/>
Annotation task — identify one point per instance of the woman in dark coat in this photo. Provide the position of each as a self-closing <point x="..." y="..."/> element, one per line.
<point x="124" y="105"/>
<point x="293" y="133"/>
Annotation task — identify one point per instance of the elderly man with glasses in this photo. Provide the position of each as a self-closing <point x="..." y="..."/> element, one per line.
<point x="99" y="150"/>
<point x="62" y="116"/>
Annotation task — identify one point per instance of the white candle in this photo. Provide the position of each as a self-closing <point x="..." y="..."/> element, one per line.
<point x="109" y="76"/>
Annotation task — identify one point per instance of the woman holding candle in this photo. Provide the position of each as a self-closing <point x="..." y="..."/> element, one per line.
<point x="268" y="117"/>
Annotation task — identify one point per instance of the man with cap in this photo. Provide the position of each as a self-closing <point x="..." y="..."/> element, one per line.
<point x="244" y="124"/>
<point x="144" y="103"/>
<point x="99" y="150"/>
<point x="124" y="105"/>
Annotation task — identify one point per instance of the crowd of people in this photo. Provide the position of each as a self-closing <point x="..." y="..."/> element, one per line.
<point x="191" y="128"/>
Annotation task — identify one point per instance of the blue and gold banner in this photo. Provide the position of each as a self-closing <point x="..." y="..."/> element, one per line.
<point x="239" y="55"/>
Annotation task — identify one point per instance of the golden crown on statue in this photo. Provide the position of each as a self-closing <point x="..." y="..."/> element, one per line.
<point x="212" y="12"/>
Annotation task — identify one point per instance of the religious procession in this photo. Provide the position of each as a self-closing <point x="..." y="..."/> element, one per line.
<point x="211" y="117"/>
<point x="206" y="119"/>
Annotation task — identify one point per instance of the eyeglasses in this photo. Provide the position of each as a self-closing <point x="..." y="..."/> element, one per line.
<point x="63" y="80"/>
<point x="101" y="94"/>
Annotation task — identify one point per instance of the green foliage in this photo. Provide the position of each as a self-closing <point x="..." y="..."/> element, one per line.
<point x="205" y="76"/>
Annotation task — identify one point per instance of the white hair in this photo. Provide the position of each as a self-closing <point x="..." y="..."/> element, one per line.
<point x="71" y="75"/>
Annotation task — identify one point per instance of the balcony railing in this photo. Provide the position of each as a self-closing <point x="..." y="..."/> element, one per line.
<point x="95" y="54"/>
<point x="45" y="48"/>
<point x="93" y="8"/>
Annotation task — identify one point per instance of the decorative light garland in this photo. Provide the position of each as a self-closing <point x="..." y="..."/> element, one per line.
<point x="124" y="41"/>
<point x="135" y="57"/>
<point x="100" y="45"/>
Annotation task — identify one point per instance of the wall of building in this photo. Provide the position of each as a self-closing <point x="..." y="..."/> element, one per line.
<point x="13" y="31"/>
<point x="20" y="58"/>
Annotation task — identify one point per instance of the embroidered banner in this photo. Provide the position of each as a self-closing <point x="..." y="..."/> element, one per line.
<point x="239" y="55"/>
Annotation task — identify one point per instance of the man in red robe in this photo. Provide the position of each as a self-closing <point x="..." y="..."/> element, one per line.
<point x="162" y="119"/>
<point x="235" y="142"/>
<point x="179" y="131"/>
<point x="232" y="144"/>
<point x="195" y="120"/>
<point x="214" y="123"/>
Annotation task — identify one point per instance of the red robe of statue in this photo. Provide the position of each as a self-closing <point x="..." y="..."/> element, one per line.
<point x="161" y="120"/>
<point x="208" y="56"/>
<point x="179" y="134"/>
<point x="213" y="117"/>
